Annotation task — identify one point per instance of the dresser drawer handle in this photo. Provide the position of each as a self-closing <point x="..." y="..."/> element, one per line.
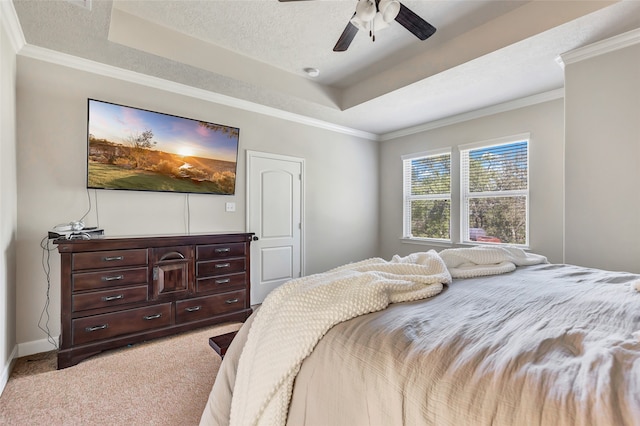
<point x="151" y="317"/>
<point x="222" y="265"/>
<point x="193" y="308"/>
<point x="96" y="328"/>
<point x="223" y="250"/>
<point x="111" y="298"/>
<point x="113" y="278"/>
<point x="223" y="281"/>
<point x="112" y="258"/>
<point x="230" y="301"/>
<point x="174" y="255"/>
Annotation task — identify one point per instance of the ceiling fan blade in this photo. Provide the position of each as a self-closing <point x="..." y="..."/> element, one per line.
<point x="346" y="38"/>
<point x="415" y="24"/>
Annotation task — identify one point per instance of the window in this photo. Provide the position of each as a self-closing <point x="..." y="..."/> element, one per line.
<point x="427" y="195"/>
<point x="495" y="191"/>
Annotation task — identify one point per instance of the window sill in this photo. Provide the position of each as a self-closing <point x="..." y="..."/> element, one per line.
<point x="451" y="244"/>
<point x="426" y="242"/>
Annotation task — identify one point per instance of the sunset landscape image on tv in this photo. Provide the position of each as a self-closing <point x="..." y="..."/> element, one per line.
<point x="136" y="149"/>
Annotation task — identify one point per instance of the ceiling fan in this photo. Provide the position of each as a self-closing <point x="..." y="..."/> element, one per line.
<point x="372" y="15"/>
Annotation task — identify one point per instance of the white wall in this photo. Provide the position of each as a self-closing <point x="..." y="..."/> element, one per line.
<point x="543" y="121"/>
<point x="341" y="197"/>
<point x="603" y="160"/>
<point x="8" y="203"/>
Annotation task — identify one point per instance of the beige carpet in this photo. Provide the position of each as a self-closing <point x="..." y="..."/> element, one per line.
<point x="163" y="382"/>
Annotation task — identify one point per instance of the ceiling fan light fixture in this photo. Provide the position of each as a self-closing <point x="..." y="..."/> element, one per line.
<point x="359" y="23"/>
<point x="366" y="10"/>
<point x="389" y="9"/>
<point x="372" y="15"/>
<point x="379" y="22"/>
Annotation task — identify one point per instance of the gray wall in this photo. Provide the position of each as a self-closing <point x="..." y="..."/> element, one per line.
<point x="341" y="203"/>
<point x="543" y="121"/>
<point x="603" y="160"/>
<point x="8" y="203"/>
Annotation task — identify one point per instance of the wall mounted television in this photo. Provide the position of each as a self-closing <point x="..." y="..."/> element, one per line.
<point x="134" y="149"/>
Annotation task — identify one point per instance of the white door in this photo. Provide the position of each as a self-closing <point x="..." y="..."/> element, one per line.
<point x="274" y="214"/>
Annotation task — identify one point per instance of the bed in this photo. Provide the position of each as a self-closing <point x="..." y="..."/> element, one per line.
<point x="516" y="343"/>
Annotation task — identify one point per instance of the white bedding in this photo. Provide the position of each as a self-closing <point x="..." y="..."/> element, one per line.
<point x="295" y="316"/>
<point x="481" y="261"/>
<point x="546" y="344"/>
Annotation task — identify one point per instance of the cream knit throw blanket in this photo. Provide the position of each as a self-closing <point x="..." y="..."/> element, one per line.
<point x="482" y="260"/>
<point x="285" y="330"/>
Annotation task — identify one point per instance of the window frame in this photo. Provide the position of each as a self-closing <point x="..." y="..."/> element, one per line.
<point x="465" y="194"/>
<point x="407" y="197"/>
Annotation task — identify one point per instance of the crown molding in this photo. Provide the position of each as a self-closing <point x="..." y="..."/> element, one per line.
<point x="600" y="48"/>
<point x="70" y="61"/>
<point x="10" y="22"/>
<point x="479" y="113"/>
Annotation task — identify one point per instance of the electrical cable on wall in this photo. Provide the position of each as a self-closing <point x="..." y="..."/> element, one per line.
<point x="88" y="210"/>
<point x="188" y="218"/>
<point x="46" y="255"/>
<point x="43" y="321"/>
<point x="95" y="195"/>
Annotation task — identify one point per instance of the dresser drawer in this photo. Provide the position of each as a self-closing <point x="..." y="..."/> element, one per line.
<point x="205" y="307"/>
<point x="106" y="298"/>
<point x="217" y="251"/>
<point x="108" y="259"/>
<point x="109" y="278"/>
<point x="220" y="267"/>
<point x="221" y="283"/>
<point x="98" y="327"/>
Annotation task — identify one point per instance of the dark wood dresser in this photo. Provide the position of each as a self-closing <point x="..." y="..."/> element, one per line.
<point x="121" y="291"/>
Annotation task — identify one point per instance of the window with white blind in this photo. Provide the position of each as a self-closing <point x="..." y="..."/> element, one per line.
<point x="427" y="195"/>
<point x="495" y="191"/>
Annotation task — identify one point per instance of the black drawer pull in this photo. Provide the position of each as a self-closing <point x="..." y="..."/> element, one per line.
<point x="223" y="281"/>
<point x="222" y="265"/>
<point x="230" y="301"/>
<point x="223" y="250"/>
<point x="113" y="278"/>
<point x="96" y="328"/>
<point x="151" y="317"/>
<point x="193" y="308"/>
<point x="111" y="298"/>
<point x="112" y="258"/>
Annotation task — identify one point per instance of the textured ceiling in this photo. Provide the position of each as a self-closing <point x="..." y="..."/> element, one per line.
<point x="484" y="52"/>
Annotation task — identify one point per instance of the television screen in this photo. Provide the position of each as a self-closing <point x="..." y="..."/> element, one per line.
<point x="135" y="149"/>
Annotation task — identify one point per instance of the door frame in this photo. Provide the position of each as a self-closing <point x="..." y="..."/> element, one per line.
<point x="251" y="154"/>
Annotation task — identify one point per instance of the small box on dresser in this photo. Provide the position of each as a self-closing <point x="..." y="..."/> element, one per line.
<point x="121" y="291"/>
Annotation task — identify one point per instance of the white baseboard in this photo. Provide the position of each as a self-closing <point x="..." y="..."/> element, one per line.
<point x="6" y="371"/>
<point x="36" y="347"/>
<point x="24" y="349"/>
